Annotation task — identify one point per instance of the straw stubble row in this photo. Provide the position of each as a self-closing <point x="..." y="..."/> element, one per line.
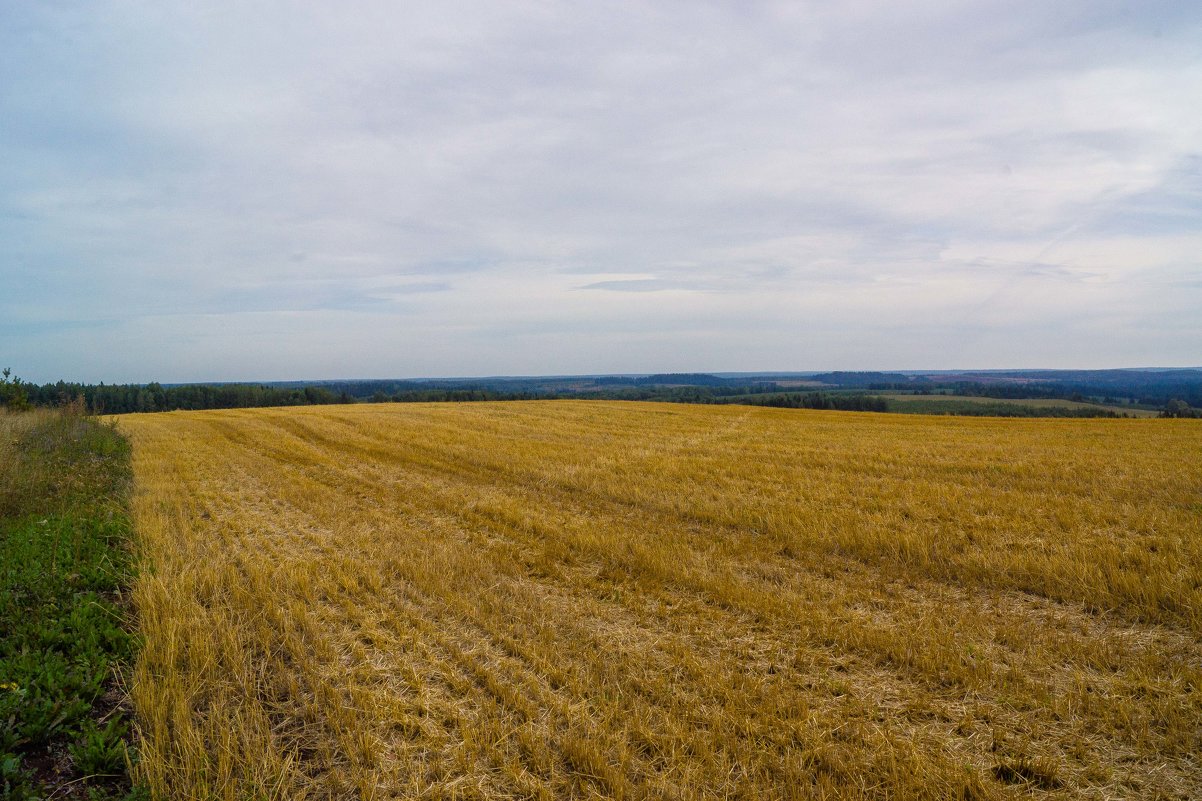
<point x="549" y="600"/>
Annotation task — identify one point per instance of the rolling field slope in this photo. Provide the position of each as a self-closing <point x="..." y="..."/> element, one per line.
<point x="618" y="600"/>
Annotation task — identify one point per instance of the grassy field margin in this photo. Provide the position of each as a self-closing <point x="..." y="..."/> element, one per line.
<point x="65" y="564"/>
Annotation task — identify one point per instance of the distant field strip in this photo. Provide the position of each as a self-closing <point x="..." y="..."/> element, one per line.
<point x="934" y="401"/>
<point x="615" y="600"/>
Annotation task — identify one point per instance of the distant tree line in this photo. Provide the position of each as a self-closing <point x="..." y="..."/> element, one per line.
<point x="980" y="409"/>
<point x="855" y="394"/>
<point x="154" y="397"/>
<point x="450" y="396"/>
<point x="670" y="394"/>
<point x="1138" y="394"/>
<point x="1179" y="408"/>
<point x="820" y="400"/>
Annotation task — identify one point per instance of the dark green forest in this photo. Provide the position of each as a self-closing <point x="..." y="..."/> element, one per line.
<point x="1173" y="393"/>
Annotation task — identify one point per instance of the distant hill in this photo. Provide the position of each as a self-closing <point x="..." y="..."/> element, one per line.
<point x="862" y="379"/>
<point x="1124" y="378"/>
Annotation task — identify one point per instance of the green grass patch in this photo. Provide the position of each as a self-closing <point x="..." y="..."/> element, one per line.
<point x="64" y="562"/>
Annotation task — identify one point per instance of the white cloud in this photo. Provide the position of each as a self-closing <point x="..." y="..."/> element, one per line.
<point x="266" y="190"/>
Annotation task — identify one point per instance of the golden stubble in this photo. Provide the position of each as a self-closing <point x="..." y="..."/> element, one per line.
<point x="617" y="600"/>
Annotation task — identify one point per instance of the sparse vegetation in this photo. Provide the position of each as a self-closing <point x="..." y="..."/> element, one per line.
<point x="579" y="599"/>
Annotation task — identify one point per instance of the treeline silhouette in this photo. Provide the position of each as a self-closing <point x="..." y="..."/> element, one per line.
<point x="1178" y="393"/>
<point x="820" y="400"/>
<point x="155" y="397"/>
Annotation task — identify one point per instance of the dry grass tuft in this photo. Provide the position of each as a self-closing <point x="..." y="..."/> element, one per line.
<point x="555" y="600"/>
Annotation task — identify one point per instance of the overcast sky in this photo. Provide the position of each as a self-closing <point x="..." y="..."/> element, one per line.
<point x="250" y="190"/>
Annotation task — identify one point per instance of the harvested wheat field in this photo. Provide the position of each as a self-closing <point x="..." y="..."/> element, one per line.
<point x="619" y="600"/>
